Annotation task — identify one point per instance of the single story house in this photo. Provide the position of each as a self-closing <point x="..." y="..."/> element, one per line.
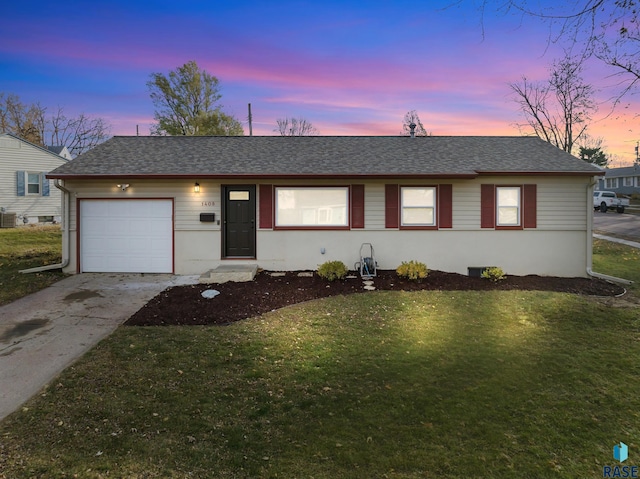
<point x="25" y="193"/>
<point x="625" y="180"/>
<point x="185" y="205"/>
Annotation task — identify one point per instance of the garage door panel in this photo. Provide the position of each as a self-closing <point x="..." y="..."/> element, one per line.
<point x="95" y="208"/>
<point x="128" y="236"/>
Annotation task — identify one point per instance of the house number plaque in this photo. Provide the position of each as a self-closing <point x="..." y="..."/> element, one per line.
<point x="208" y="203"/>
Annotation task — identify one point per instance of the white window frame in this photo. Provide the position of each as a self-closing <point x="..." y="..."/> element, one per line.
<point x="409" y="207"/>
<point x="313" y="214"/>
<point x="627" y="181"/>
<point x="28" y="183"/>
<point x="611" y="182"/>
<point x="502" y="209"/>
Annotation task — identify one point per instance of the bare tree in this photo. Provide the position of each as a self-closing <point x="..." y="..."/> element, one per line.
<point x="558" y="110"/>
<point x="30" y="122"/>
<point x="25" y="121"/>
<point x="78" y="134"/>
<point x="295" y="127"/>
<point x="606" y="29"/>
<point x="411" y="117"/>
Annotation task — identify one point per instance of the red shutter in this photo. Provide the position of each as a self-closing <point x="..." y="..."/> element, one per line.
<point x="487" y="206"/>
<point x="530" y="200"/>
<point x="357" y="206"/>
<point x="391" y="208"/>
<point x="445" y="206"/>
<point x="266" y="206"/>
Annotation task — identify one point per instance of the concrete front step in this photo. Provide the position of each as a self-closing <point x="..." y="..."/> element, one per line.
<point x="230" y="272"/>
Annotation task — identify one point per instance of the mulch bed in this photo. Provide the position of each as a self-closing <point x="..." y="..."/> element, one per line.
<point x="184" y="305"/>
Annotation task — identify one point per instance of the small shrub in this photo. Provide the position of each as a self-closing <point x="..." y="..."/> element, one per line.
<point x="413" y="270"/>
<point x="332" y="270"/>
<point x="494" y="274"/>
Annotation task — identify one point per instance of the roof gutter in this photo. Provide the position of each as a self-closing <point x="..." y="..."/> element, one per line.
<point x="287" y="176"/>
<point x="590" y="271"/>
<point x="66" y="195"/>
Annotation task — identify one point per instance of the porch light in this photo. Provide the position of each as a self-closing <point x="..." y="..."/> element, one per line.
<point x="123" y="186"/>
<point x="196" y="188"/>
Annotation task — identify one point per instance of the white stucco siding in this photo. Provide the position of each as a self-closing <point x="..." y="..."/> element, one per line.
<point x="531" y="252"/>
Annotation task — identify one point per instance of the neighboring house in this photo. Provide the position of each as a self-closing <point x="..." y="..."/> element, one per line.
<point x="61" y="151"/>
<point x="24" y="188"/>
<point x="624" y="180"/>
<point x="188" y="204"/>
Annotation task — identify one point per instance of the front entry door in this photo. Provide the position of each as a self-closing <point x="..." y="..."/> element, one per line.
<point x="239" y="227"/>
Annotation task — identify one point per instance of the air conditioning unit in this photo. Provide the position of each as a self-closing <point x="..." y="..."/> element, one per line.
<point x="7" y="220"/>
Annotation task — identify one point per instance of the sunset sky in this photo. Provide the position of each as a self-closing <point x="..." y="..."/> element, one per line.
<point x="349" y="67"/>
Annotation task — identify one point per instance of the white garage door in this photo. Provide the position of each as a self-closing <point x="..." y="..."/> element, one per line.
<point x="126" y="236"/>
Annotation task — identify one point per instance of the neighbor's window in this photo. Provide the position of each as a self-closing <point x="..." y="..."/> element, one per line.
<point x="312" y="206"/>
<point x="418" y="205"/>
<point x="611" y="183"/>
<point x="33" y="183"/>
<point x="628" y="181"/>
<point x="508" y="206"/>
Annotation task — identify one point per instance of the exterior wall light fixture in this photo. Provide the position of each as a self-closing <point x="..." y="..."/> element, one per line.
<point x="196" y="188"/>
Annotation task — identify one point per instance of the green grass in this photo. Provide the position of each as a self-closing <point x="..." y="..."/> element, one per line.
<point x="383" y="384"/>
<point x="617" y="260"/>
<point x="23" y="248"/>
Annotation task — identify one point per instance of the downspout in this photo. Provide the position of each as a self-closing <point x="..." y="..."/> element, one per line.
<point x="590" y="272"/>
<point x="66" y="197"/>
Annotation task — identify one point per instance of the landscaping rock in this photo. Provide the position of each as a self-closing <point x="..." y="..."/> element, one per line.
<point x="210" y="293"/>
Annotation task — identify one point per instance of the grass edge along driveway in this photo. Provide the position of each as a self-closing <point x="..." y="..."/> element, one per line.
<point x="23" y="248"/>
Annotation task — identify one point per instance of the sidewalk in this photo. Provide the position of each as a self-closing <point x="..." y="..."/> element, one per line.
<point x="633" y="244"/>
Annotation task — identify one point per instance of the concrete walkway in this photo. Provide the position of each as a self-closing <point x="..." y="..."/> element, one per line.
<point x="633" y="244"/>
<point x="43" y="333"/>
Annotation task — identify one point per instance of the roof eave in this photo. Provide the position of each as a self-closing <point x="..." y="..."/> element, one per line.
<point x="540" y="173"/>
<point x="310" y="176"/>
<point x="269" y="176"/>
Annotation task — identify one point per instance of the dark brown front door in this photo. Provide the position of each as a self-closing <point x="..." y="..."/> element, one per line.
<point x="239" y="227"/>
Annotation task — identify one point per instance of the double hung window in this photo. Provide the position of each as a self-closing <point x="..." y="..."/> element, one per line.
<point x="418" y="206"/>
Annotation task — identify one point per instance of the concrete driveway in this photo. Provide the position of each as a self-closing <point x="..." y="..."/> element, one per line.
<point x="42" y="334"/>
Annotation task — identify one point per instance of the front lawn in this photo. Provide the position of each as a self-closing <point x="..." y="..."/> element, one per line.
<point x="23" y="248"/>
<point x="617" y="260"/>
<point x="384" y="384"/>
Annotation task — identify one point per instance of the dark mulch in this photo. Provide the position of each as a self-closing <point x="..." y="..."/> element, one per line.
<point x="184" y="305"/>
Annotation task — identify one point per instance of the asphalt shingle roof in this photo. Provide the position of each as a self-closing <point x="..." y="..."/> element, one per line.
<point x="341" y="156"/>
<point x="623" y="171"/>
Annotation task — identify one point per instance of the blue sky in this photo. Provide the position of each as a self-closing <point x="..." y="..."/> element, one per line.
<point x="349" y="67"/>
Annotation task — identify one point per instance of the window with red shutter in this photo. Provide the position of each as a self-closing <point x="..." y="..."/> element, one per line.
<point x="445" y="206"/>
<point x="487" y="206"/>
<point x="530" y="205"/>
<point x="266" y="206"/>
<point x="391" y="206"/>
<point x="357" y="206"/>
